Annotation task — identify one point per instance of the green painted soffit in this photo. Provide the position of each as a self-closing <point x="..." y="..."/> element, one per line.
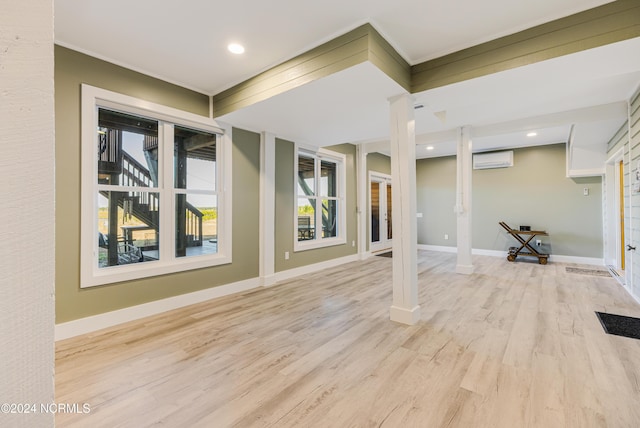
<point x="610" y="23"/>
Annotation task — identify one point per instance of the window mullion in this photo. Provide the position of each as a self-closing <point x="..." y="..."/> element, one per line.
<point x="167" y="197"/>
<point x="317" y="179"/>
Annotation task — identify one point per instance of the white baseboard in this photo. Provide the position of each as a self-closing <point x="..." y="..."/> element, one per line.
<point x="579" y="260"/>
<point x="303" y="270"/>
<point x="404" y="315"/>
<point x="497" y="253"/>
<point x="268" y="280"/>
<point x="439" y="248"/>
<point x="120" y="316"/>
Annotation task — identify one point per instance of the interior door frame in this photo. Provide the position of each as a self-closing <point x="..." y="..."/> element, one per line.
<point x="384" y="244"/>
<point x="614" y="229"/>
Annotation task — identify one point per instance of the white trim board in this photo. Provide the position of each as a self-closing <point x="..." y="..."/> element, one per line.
<point x="120" y="316"/>
<point x="109" y="319"/>
<point x="303" y="270"/>
<point x="497" y="253"/>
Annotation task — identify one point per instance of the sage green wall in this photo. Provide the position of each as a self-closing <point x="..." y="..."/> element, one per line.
<point x="379" y="163"/>
<point x="376" y="162"/>
<point x="436" y="196"/>
<point x="72" y="69"/>
<point x="284" y="204"/>
<point x="533" y="192"/>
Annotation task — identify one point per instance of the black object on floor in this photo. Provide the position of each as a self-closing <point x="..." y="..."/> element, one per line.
<point x="387" y="254"/>
<point x="620" y="325"/>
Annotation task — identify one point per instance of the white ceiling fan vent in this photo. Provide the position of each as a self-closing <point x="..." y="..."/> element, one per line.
<point x="493" y="160"/>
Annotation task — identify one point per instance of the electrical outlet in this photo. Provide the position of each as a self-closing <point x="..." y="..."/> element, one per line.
<point x="353" y="243"/>
<point x="446" y="236"/>
<point x="286" y="255"/>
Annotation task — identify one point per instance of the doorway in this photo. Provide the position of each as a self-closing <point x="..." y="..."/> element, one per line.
<point x="381" y="228"/>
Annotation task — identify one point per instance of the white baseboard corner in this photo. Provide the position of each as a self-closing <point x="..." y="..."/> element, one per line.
<point x="404" y="315"/>
<point x="464" y="269"/>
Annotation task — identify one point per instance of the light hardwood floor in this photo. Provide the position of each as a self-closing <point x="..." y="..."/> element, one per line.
<point x="513" y="345"/>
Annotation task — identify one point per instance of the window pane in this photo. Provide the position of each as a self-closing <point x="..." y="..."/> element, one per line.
<point x="196" y="225"/>
<point x="306" y="176"/>
<point x="127" y="227"/>
<point x="375" y="211"/>
<point x="127" y="150"/>
<point x="306" y="219"/>
<point x="194" y="159"/>
<point x="329" y="218"/>
<point x="328" y="178"/>
<point x="389" y="212"/>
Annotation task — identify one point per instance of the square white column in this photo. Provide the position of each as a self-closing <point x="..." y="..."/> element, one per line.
<point x="267" y="208"/>
<point x="463" y="200"/>
<point x="405" y="308"/>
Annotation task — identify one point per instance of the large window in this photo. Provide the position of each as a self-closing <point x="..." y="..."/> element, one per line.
<point x="320" y="206"/>
<point x="153" y="190"/>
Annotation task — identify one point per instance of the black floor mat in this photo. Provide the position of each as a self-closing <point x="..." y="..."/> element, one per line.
<point x="620" y="325"/>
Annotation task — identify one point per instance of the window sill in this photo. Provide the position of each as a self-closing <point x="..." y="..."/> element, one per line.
<point x="115" y="274"/>
<point x="313" y="244"/>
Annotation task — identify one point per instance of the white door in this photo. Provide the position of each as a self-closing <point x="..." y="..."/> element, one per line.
<point x="380" y="230"/>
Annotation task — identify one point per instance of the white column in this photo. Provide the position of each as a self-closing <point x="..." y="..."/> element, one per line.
<point x="463" y="200"/>
<point x="267" y="208"/>
<point x="405" y="308"/>
<point x="361" y="172"/>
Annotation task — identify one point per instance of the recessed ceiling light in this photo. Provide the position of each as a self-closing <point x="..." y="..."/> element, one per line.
<point x="532" y="134"/>
<point x="236" y="48"/>
<point x="429" y="147"/>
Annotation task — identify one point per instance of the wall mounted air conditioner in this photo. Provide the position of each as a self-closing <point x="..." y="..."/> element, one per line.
<point x="493" y="160"/>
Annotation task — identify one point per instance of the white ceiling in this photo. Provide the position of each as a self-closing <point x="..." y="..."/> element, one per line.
<point x="185" y="43"/>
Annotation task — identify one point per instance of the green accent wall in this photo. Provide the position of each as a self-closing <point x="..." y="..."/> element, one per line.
<point x="435" y="199"/>
<point x="534" y="192"/>
<point x="72" y="67"/>
<point x="610" y="23"/>
<point x="285" y="209"/>
<point x="71" y="70"/>
<point x="379" y="163"/>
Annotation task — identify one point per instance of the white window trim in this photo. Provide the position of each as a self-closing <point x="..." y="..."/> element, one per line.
<point x="90" y="274"/>
<point x="340" y="159"/>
